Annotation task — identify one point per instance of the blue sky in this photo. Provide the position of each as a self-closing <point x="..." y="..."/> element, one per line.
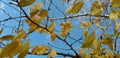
<point x="43" y="39"/>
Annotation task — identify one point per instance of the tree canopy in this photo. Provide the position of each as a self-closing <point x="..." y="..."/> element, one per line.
<point x="60" y="28"/>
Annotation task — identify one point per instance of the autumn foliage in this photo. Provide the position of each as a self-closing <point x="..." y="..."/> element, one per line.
<point x="92" y="44"/>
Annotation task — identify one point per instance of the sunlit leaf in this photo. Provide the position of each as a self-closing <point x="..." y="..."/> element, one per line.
<point x="93" y="51"/>
<point x="82" y="53"/>
<point x="36" y="19"/>
<point x="108" y="41"/>
<point x="51" y="26"/>
<point x="40" y="30"/>
<point x="35" y="49"/>
<point x="77" y="7"/>
<point x="85" y="24"/>
<point x="52" y="54"/>
<point x="21" y="34"/>
<point x="96" y="9"/>
<point x="40" y="49"/>
<point x="65" y="26"/>
<point x="24" y="50"/>
<point x="117" y="25"/>
<point x="88" y="41"/>
<point x="68" y="10"/>
<point x="43" y="13"/>
<point x="11" y="49"/>
<point x="7" y="37"/>
<point x="24" y="3"/>
<point x="35" y="9"/>
<point x="113" y="15"/>
<point x="63" y="33"/>
<point x="96" y="44"/>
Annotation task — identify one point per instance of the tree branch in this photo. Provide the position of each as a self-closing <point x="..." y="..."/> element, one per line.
<point x="78" y="15"/>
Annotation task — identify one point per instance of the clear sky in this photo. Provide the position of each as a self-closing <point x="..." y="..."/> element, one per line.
<point x="43" y="39"/>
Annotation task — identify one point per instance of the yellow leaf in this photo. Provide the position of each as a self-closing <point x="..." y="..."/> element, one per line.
<point x="36" y="19"/>
<point x="96" y="9"/>
<point x="11" y="49"/>
<point x="96" y="44"/>
<point x="115" y="3"/>
<point x="66" y="26"/>
<point x="77" y="7"/>
<point x="24" y="3"/>
<point x="35" y="49"/>
<point x="108" y="41"/>
<point x="51" y="26"/>
<point x="88" y="41"/>
<point x="92" y="51"/>
<point x="69" y="8"/>
<point x="85" y="33"/>
<point x="88" y="55"/>
<point x="20" y="35"/>
<point x="63" y="33"/>
<point x="108" y="54"/>
<point x="25" y="50"/>
<point x="35" y="9"/>
<point x="82" y="53"/>
<point x="7" y="37"/>
<point x="117" y="25"/>
<point x="40" y="30"/>
<point x="42" y="49"/>
<point x="0" y="50"/>
<point x="52" y="54"/>
<point x="113" y="15"/>
<point x="1" y="30"/>
<point x="53" y="36"/>
<point x="100" y="51"/>
<point x="43" y="13"/>
<point x="85" y="24"/>
<point x="116" y="55"/>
